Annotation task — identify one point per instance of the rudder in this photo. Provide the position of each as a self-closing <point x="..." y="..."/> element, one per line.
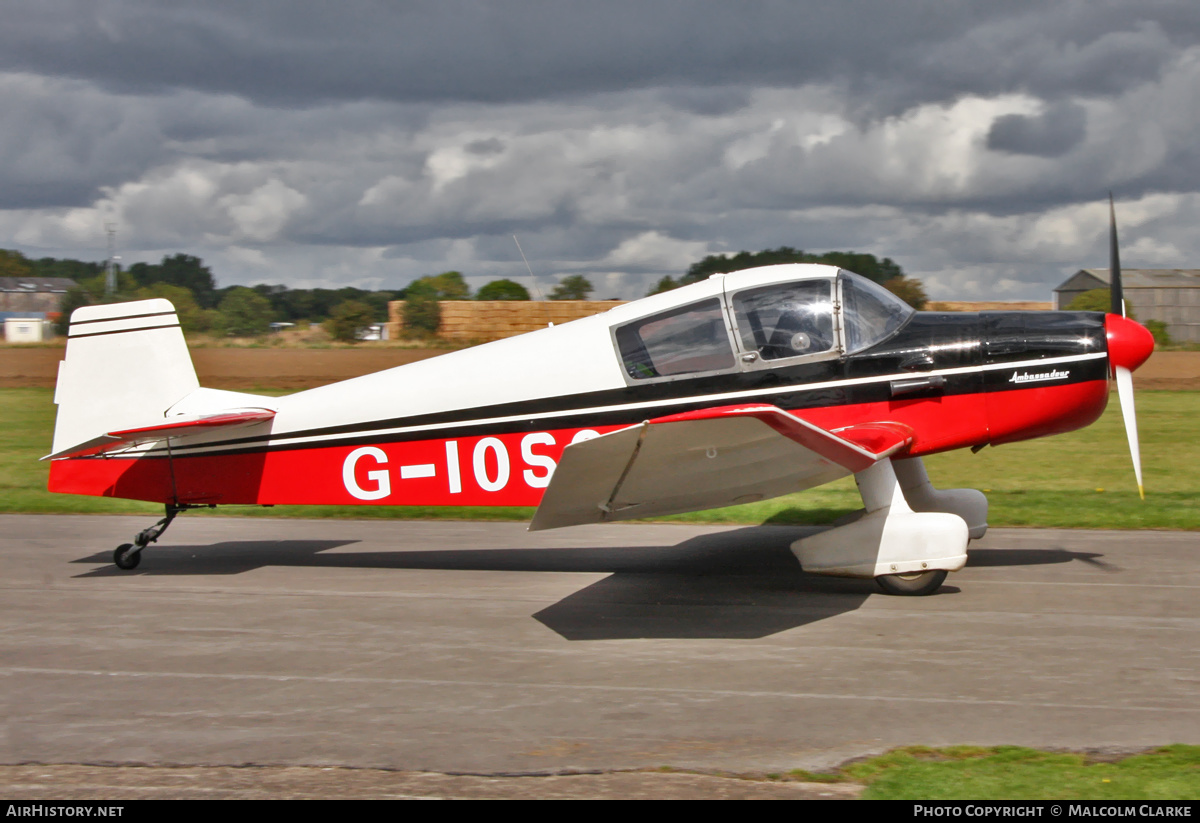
<point x="125" y="364"/>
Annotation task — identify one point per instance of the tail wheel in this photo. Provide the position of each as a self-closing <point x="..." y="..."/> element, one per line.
<point x="124" y="560"/>
<point x="912" y="584"/>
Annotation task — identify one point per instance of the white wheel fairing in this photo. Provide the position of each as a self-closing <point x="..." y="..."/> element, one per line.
<point x="890" y="539"/>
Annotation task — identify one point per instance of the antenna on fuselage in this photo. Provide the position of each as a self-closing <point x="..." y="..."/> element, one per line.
<point x="532" y="279"/>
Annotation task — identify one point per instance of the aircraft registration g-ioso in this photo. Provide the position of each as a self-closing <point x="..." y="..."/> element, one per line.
<point x="739" y="388"/>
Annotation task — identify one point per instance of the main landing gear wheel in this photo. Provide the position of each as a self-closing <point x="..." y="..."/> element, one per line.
<point x="912" y="584"/>
<point x="124" y="559"/>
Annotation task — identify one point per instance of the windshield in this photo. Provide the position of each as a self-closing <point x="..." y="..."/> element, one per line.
<point x="869" y="312"/>
<point x="786" y="320"/>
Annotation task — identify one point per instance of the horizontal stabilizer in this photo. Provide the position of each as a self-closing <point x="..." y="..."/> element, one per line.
<point x="705" y="459"/>
<point x="170" y="427"/>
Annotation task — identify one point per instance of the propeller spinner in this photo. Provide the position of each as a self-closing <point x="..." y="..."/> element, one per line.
<point x="1129" y="346"/>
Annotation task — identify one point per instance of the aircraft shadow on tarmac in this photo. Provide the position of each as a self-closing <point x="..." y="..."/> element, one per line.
<point x="742" y="583"/>
<point x="1034" y="557"/>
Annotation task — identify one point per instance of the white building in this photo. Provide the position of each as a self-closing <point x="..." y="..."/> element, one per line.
<point x="27" y="329"/>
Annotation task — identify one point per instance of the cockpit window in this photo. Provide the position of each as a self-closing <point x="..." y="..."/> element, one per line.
<point x="686" y="340"/>
<point x="786" y="320"/>
<point x="869" y="312"/>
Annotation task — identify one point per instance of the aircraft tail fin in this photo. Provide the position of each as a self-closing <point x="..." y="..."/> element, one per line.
<point x="125" y="363"/>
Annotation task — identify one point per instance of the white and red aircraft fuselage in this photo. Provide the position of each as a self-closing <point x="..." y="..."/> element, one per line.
<point x="739" y="388"/>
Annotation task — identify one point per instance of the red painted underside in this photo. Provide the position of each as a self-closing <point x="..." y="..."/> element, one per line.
<point x="511" y="469"/>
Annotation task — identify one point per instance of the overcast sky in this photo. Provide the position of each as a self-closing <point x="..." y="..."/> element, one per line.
<point x="368" y="143"/>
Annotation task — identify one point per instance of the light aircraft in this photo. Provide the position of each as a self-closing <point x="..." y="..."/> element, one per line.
<point x="742" y="387"/>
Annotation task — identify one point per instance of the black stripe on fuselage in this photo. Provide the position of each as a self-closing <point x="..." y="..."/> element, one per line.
<point x="931" y="342"/>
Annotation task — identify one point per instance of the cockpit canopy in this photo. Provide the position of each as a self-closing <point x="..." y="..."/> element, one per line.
<point x="870" y="312"/>
<point x="761" y="320"/>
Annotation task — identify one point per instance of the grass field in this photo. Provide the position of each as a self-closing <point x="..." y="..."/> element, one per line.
<point x="1078" y="480"/>
<point x="1014" y="773"/>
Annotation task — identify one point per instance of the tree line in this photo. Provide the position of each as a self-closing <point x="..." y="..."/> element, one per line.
<point x="202" y="306"/>
<point x="245" y="311"/>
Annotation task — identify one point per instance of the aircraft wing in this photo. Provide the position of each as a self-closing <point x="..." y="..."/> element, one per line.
<point x="176" y="426"/>
<point x="706" y="459"/>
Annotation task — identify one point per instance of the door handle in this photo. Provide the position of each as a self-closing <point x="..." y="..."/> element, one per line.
<point x="925" y="386"/>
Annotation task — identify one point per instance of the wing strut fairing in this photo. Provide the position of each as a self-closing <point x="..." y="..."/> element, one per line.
<point x="706" y="459"/>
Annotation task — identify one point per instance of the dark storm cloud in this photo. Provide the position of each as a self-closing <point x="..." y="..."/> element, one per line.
<point x="491" y="145"/>
<point x="292" y="53"/>
<point x="1055" y="49"/>
<point x="707" y="100"/>
<point x="65" y="141"/>
<point x="1050" y="134"/>
<point x="62" y="141"/>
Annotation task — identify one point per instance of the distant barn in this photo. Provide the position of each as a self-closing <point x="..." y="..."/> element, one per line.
<point x="43" y="295"/>
<point x="1171" y="296"/>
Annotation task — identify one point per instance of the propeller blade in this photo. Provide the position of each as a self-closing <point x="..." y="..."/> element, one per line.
<point x="1114" y="262"/>
<point x="1125" y="393"/>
